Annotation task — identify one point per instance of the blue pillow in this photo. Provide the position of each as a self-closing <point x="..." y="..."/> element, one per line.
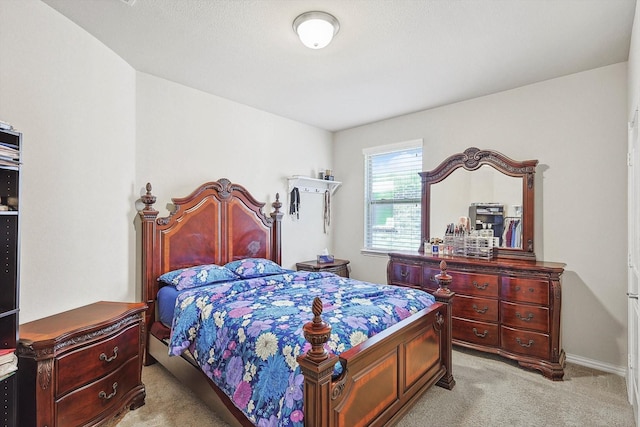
<point x="198" y="275"/>
<point x="254" y="267"/>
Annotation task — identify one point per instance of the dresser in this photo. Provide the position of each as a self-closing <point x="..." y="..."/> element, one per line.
<point x="81" y="367"/>
<point x="506" y="307"/>
<point x="338" y="266"/>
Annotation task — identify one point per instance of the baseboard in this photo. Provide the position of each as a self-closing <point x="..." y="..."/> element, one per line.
<point x="596" y="364"/>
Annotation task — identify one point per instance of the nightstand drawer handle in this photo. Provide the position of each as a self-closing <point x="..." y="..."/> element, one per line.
<point x="481" y="310"/>
<point x="525" y="319"/>
<point x="404" y="273"/>
<point x="475" y="331"/>
<point x="104" y="357"/>
<point x="103" y="395"/>
<point x="481" y="287"/>
<point x="530" y="289"/>
<point x="524" y="345"/>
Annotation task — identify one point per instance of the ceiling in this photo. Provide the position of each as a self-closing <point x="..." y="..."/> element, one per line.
<point x="390" y="57"/>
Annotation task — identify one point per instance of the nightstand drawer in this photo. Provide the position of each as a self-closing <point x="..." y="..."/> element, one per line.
<point x="89" y="363"/>
<point x="80" y="406"/>
<point x="338" y="266"/>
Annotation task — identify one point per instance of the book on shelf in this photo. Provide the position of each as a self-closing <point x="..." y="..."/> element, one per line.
<point x="5" y="354"/>
<point x="8" y="368"/>
<point x="8" y="362"/>
<point x="7" y="375"/>
<point x="12" y="153"/>
<point x="8" y="162"/>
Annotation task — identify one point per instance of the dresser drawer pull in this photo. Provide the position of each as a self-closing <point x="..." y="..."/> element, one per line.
<point x="103" y="395"/>
<point x="524" y="345"/>
<point x="433" y="278"/>
<point x="481" y="287"/>
<point x="404" y="273"/>
<point x="529" y="317"/>
<point x="480" y="310"/>
<point x="476" y="333"/>
<point x="530" y="289"/>
<point x="104" y="357"/>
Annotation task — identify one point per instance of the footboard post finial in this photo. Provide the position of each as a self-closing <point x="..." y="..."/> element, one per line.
<point x="443" y="279"/>
<point x="317" y="367"/>
<point x="317" y="332"/>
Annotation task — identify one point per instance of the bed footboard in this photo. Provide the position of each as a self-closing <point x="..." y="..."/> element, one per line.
<point x="383" y="376"/>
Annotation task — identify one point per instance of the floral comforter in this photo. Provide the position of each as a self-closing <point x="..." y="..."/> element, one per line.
<point x="246" y="334"/>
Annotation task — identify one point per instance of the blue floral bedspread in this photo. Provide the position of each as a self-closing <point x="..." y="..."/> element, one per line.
<point x="246" y="334"/>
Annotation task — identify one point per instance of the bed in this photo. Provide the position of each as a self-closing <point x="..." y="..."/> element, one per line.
<point x="330" y="378"/>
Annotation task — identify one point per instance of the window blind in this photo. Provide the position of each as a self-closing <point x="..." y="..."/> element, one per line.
<point x="393" y="198"/>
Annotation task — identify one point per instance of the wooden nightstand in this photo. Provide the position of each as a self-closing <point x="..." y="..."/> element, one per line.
<point x="338" y="266"/>
<point x="81" y="367"/>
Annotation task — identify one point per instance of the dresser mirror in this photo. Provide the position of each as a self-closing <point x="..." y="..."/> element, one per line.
<point x="491" y="182"/>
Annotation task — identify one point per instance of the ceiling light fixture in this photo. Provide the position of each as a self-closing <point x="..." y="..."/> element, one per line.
<point x="316" y="29"/>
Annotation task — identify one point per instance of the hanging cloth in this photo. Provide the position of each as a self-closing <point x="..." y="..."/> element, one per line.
<point x="327" y="210"/>
<point x="294" y="203"/>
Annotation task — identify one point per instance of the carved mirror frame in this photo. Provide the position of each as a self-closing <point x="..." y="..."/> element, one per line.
<point x="472" y="159"/>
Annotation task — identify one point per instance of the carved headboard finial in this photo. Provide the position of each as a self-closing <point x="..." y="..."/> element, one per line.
<point x="148" y="199"/>
<point x="277" y="204"/>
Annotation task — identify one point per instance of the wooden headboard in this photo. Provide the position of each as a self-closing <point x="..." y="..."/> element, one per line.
<point x="217" y="223"/>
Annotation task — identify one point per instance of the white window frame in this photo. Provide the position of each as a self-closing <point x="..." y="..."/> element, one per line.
<point x="368" y="246"/>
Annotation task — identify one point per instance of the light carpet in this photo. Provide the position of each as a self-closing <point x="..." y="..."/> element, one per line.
<point x="489" y="391"/>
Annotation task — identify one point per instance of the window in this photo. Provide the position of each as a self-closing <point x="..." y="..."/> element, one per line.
<point x="393" y="197"/>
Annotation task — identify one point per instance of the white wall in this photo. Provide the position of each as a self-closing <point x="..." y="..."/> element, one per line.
<point x="73" y="99"/>
<point x="187" y="137"/>
<point x="576" y="127"/>
<point x="95" y="131"/>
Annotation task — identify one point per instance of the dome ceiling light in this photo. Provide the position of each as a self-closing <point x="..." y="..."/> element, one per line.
<point x="316" y="29"/>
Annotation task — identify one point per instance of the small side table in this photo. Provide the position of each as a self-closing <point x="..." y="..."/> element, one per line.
<point x="338" y="266"/>
<point x="81" y="367"/>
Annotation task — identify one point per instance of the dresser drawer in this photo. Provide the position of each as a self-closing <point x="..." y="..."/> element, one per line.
<point x="529" y="343"/>
<point x="475" y="332"/>
<point x="429" y="277"/>
<point x="483" y="285"/>
<point x="83" y="404"/>
<point x="525" y="316"/>
<point x="475" y="308"/>
<point x="88" y="363"/>
<point x="405" y="274"/>
<point x="525" y="290"/>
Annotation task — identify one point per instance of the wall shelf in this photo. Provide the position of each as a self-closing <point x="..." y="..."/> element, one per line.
<point x="312" y="185"/>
